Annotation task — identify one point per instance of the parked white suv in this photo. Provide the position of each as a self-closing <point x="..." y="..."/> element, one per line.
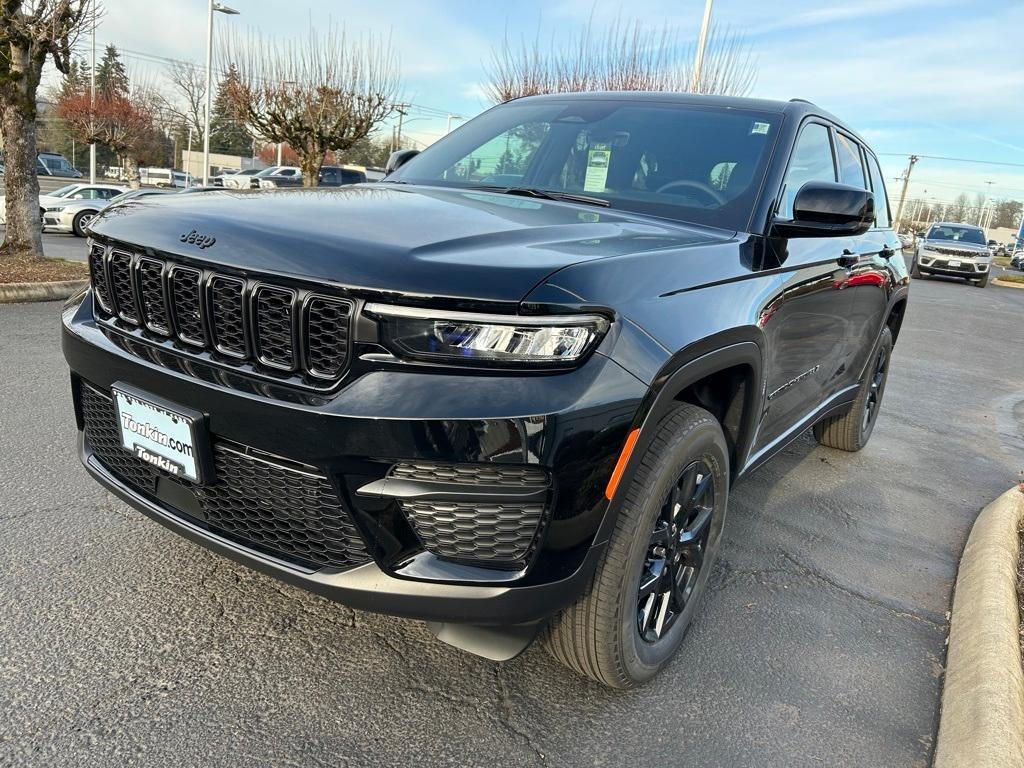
<point x="954" y="250"/>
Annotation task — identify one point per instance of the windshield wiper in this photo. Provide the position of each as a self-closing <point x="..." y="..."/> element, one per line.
<point x="546" y="194"/>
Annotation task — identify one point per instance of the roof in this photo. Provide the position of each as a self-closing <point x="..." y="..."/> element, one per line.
<point x="956" y="224"/>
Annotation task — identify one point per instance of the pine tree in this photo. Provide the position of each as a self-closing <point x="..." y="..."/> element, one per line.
<point x="111" y="76"/>
<point x="227" y="133"/>
<point x="75" y="80"/>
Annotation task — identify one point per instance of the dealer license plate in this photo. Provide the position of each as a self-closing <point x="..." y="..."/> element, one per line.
<point x="159" y="435"/>
<point x="954" y="264"/>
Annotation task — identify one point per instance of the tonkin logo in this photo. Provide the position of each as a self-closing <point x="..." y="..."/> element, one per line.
<point x="194" y="238"/>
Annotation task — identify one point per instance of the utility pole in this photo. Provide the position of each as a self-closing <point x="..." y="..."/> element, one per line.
<point x="903" y="192"/>
<point x="209" y="85"/>
<point x="698" y="59"/>
<point x="402" y="110"/>
<point x="92" y="97"/>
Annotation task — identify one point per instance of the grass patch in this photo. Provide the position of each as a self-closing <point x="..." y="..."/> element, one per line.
<point x="1011" y="279"/>
<point x="32" y="269"/>
<point x="1002" y="261"/>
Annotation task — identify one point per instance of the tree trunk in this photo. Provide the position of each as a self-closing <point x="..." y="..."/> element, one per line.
<point x="131" y="172"/>
<point x="24" y="233"/>
<point x="310" y="163"/>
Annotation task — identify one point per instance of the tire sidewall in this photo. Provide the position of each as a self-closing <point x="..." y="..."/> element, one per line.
<point x="76" y="224"/>
<point x="641" y="659"/>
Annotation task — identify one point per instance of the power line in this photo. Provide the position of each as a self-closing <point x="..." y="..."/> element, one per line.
<point x="953" y="159"/>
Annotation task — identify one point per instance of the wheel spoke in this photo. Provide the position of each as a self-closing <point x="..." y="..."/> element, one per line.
<point x="646" y="612"/>
<point x="701" y="489"/>
<point x="659" y="623"/>
<point x="686" y="485"/>
<point x="694" y="531"/>
<point x="660" y="536"/>
<point x="652" y="579"/>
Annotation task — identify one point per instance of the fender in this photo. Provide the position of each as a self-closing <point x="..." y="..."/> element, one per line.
<point x="740" y="346"/>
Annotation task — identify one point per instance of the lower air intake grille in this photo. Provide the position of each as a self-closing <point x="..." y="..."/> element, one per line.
<point x="478" y="474"/>
<point x="284" y="509"/>
<point x="494" y="533"/>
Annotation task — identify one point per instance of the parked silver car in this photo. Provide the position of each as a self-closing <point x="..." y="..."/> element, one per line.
<point x="74" y="216"/>
<point x="954" y="250"/>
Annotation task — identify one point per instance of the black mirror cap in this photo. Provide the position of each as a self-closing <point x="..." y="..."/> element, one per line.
<point x="399" y="158"/>
<point x="827" y="209"/>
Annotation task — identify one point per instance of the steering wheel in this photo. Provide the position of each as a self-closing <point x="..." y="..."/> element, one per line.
<point x="710" y="192"/>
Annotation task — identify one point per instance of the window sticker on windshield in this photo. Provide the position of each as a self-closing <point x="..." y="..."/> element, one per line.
<point x="759" y="127"/>
<point x="597" y="170"/>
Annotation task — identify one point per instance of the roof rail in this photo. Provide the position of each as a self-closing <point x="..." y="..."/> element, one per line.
<point x="803" y="101"/>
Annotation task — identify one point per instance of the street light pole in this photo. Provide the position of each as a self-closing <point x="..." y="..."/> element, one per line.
<point x="702" y="41"/>
<point x="92" y="97"/>
<point x="209" y="77"/>
<point x="450" y="118"/>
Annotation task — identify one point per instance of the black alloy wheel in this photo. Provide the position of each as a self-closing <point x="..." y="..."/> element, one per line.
<point x="676" y="551"/>
<point x="874" y="394"/>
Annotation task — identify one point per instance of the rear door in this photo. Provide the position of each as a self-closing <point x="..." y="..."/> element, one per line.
<point x="806" y="333"/>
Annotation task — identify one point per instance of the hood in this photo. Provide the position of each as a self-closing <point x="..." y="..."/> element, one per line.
<point x="413" y="240"/>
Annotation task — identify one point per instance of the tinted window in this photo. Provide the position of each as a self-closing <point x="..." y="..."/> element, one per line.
<point x="850" y="169"/>
<point x="701" y="164"/>
<point x="106" y="194"/>
<point x="351" y="177"/>
<point x="811" y="161"/>
<point x="882" y="218"/>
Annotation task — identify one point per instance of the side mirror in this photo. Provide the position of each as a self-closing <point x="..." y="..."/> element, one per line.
<point x="398" y="159"/>
<point x="827" y="209"/>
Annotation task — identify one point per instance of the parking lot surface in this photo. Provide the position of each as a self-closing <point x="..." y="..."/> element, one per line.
<point x="821" y="641"/>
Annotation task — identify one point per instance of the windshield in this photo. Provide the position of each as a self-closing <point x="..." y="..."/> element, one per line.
<point x="957" y="234"/>
<point x="682" y="161"/>
<point x="65" y="191"/>
<point x="268" y="171"/>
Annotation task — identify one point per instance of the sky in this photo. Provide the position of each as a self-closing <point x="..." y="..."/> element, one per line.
<point x="940" y="78"/>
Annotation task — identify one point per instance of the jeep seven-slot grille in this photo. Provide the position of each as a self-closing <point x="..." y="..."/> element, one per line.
<point x="289" y="511"/>
<point x="249" y="323"/>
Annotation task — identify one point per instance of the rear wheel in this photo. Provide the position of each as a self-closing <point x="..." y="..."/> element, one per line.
<point x="81" y="221"/>
<point x="851" y="431"/>
<point x="657" y="562"/>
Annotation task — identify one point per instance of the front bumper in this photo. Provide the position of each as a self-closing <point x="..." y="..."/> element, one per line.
<point x="965" y="267"/>
<point x="57" y="222"/>
<point x="570" y="425"/>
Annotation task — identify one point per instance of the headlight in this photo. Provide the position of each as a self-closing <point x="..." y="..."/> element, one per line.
<point x="488" y="340"/>
<point x="928" y="248"/>
<point x="56" y="209"/>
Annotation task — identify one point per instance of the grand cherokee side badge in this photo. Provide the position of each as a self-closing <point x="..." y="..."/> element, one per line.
<point x="194" y="238"/>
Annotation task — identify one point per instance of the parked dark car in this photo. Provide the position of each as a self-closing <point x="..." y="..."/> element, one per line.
<point x="505" y="409"/>
<point x="330" y="176"/>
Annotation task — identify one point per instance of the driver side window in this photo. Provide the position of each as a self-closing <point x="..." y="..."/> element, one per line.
<point x="811" y="161"/>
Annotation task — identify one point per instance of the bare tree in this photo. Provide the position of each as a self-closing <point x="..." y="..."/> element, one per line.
<point x="627" y="57"/>
<point x="30" y="32"/>
<point x="125" y="123"/>
<point x="322" y="91"/>
<point x="187" y="108"/>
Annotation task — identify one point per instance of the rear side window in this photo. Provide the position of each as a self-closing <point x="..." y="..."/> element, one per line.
<point x="811" y="161"/>
<point x="882" y="218"/>
<point x="851" y="171"/>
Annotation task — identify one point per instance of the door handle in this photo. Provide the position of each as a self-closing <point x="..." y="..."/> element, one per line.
<point x="848" y="259"/>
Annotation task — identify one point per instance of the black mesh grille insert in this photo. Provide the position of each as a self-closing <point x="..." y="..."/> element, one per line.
<point x="327" y="322"/>
<point x="121" y="280"/>
<point x="479" y="474"/>
<point x="287" y="510"/>
<point x="275" y="331"/>
<point x="187" y="300"/>
<point x="151" y="297"/>
<point x="226" y="315"/>
<point x="98" y="275"/>
<point x="494" y="533"/>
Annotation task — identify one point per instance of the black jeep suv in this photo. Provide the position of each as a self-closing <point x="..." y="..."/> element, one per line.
<point x="506" y="390"/>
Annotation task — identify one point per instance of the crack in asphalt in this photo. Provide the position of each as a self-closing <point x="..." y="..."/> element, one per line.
<point x="506" y="712"/>
<point x="894" y="608"/>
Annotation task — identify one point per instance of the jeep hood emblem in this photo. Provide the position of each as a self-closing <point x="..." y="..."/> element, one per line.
<point x="193" y="237"/>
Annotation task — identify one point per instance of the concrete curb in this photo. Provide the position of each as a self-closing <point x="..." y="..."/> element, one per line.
<point x="982" y="721"/>
<point x="1006" y="283"/>
<point x="18" y="292"/>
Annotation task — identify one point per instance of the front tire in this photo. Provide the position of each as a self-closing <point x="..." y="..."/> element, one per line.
<point x="852" y="430"/>
<point x="981" y="283"/>
<point x="639" y="605"/>
<point x="81" y="221"/>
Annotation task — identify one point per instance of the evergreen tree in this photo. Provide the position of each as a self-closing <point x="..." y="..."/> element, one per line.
<point x="111" y="76"/>
<point x="227" y="133"/>
<point x="75" y="80"/>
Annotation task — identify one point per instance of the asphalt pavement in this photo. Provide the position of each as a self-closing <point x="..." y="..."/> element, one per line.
<point x="821" y="641"/>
